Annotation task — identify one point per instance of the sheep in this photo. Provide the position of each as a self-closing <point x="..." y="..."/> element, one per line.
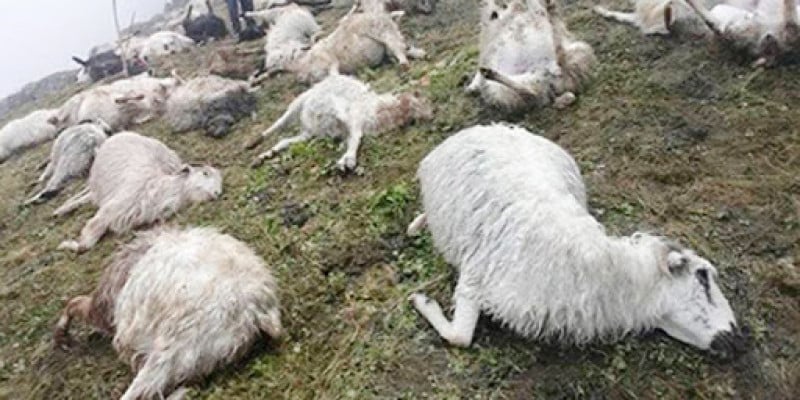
<point x="210" y="102"/>
<point x="360" y="40"/>
<point x="26" y="132"/>
<point x="408" y="6"/>
<point x="768" y="30"/>
<point x="204" y="27"/>
<point x="71" y="156"/>
<point x="103" y="62"/>
<point x="508" y="209"/>
<point x="120" y="104"/>
<point x="652" y="17"/>
<point x="136" y="181"/>
<point x="227" y="299"/>
<point x="528" y="57"/>
<point x="158" y="44"/>
<point x="341" y="106"/>
<point x="292" y="32"/>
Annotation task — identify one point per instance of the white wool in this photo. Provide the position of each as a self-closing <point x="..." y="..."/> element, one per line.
<point x="508" y="209"/>
<point x="344" y="107"/>
<point x="158" y="44"/>
<point x="188" y="106"/>
<point x="120" y="104"/>
<point x="767" y="29"/>
<point x="650" y="16"/>
<point x="533" y="55"/>
<point x="71" y="156"/>
<point x="290" y="34"/>
<point x="26" y="132"/>
<point x="180" y="304"/>
<point x="135" y="181"/>
<point x="360" y="40"/>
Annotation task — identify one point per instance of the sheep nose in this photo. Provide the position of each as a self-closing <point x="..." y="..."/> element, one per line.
<point x="730" y="344"/>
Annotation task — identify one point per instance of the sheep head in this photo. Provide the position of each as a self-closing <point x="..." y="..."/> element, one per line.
<point x="201" y="183"/>
<point x="694" y="309"/>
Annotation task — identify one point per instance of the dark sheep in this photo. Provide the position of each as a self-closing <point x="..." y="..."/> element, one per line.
<point x="204" y="27"/>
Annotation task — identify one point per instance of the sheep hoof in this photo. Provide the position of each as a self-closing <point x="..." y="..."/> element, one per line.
<point x="564" y="101"/>
<point x="419" y="300"/>
<point x="70" y="245"/>
<point x="253" y="142"/>
<point x="346" y="163"/>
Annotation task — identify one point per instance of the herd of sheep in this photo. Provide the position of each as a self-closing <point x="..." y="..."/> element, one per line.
<point x="508" y="208"/>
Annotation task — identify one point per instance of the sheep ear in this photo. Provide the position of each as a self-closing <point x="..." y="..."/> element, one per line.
<point x="79" y="61"/>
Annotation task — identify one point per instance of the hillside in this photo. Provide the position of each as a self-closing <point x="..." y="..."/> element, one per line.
<point x="673" y="135"/>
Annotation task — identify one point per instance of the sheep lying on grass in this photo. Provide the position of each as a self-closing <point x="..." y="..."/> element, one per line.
<point x="652" y="17"/>
<point x="120" y="104"/>
<point x="292" y="32"/>
<point x="204" y="27"/>
<point x="210" y="102"/>
<point x="226" y="299"/>
<point x="71" y="156"/>
<point x="342" y="106"/>
<point x="508" y="209"/>
<point x="135" y="181"/>
<point x="360" y="40"/>
<point x="26" y="132"/>
<point x="528" y="58"/>
<point x="769" y="31"/>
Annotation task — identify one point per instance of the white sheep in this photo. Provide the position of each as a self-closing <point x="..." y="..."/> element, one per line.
<point x="26" y="132"/>
<point x="210" y="102"/>
<point x="292" y="32"/>
<point x="652" y="17"/>
<point x="136" y="181"/>
<point x="342" y="106"/>
<point x="71" y="156"/>
<point x="768" y="30"/>
<point x="528" y="58"/>
<point x="226" y="299"/>
<point x="360" y="40"/>
<point x="158" y="44"/>
<point x="508" y="209"/>
<point x="407" y="6"/>
<point x="120" y="104"/>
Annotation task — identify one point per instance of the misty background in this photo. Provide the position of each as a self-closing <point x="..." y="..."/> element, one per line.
<point x="39" y="37"/>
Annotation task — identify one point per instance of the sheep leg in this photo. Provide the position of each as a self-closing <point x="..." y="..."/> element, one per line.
<point x="83" y="197"/>
<point x="282" y="145"/>
<point x="475" y="85"/>
<point x="76" y="307"/>
<point x="348" y="160"/>
<point x="417" y="225"/>
<point x="705" y="16"/>
<point x="395" y="45"/>
<point x="458" y="332"/>
<point x="152" y="380"/>
<point x="90" y="235"/>
<point x="287" y="118"/>
<point x="47" y="173"/>
<point x="503" y="79"/>
<point x="623" y="17"/>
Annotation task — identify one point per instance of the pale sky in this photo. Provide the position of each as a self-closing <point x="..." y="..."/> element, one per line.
<point x="38" y="37"/>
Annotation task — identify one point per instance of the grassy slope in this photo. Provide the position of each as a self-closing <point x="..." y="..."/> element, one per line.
<point x="672" y="136"/>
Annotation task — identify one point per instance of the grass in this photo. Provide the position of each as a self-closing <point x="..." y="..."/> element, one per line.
<point x="673" y="135"/>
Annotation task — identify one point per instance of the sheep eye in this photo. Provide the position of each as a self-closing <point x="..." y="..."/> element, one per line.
<point x="494" y="15"/>
<point x="205" y="173"/>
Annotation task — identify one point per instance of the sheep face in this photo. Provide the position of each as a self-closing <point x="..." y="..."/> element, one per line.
<point x="203" y="183"/>
<point x="697" y="312"/>
<point x="419" y="107"/>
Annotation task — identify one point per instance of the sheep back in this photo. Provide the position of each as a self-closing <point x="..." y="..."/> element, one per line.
<point x="73" y="152"/>
<point x="26" y="132"/>
<point x="227" y="298"/>
<point x="508" y="209"/>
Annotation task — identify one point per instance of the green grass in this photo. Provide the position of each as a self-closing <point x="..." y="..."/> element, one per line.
<point x="672" y="135"/>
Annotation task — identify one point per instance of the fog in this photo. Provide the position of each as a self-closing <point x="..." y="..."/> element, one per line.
<point x="38" y="37"/>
